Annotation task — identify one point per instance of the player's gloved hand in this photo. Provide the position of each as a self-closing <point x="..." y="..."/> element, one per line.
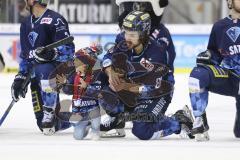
<point x="42" y="55"/>
<point x="17" y="89"/>
<point x="208" y="57"/>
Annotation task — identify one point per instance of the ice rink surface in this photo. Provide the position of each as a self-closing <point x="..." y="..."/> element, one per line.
<point x="21" y="139"/>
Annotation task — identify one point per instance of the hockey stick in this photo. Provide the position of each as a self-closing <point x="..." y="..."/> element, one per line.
<point x="27" y="80"/>
<point x="59" y="43"/>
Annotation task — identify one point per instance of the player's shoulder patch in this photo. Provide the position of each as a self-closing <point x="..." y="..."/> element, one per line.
<point x="46" y="20"/>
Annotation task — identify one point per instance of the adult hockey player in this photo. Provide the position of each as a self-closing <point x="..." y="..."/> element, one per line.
<point x="42" y="28"/>
<point x="141" y="48"/>
<point x="217" y="71"/>
<point x="2" y="63"/>
<point x="158" y="32"/>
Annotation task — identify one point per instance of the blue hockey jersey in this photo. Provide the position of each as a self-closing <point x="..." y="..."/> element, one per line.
<point x="224" y="41"/>
<point x="152" y="52"/>
<point x="164" y="41"/>
<point x="42" y="31"/>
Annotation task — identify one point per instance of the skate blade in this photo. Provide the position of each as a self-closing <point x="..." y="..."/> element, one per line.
<point x="113" y="133"/>
<point x="48" y="131"/>
<point x="202" y="137"/>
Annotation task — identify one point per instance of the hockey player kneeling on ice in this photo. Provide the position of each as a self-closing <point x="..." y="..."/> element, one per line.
<point x="85" y="108"/>
<point x="2" y="63"/>
<point x="41" y="28"/>
<point x="141" y="49"/>
<point x="217" y="71"/>
<point x="158" y="32"/>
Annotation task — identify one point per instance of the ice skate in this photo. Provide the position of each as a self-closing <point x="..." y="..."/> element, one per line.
<point x="48" y="122"/>
<point x="112" y="127"/>
<point x="200" y="128"/>
<point x="185" y="118"/>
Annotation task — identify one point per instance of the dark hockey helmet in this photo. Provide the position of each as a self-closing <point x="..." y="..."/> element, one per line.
<point x="154" y="7"/>
<point x="137" y="21"/>
<point x="140" y="22"/>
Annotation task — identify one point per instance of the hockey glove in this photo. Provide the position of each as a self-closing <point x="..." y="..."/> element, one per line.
<point x="42" y="55"/>
<point x="17" y="90"/>
<point x="208" y="57"/>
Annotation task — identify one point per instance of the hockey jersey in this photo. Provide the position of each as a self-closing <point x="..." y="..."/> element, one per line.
<point x="224" y="41"/>
<point x="42" y="31"/>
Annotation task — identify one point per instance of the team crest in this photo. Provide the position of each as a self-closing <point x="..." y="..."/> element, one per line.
<point x="32" y="36"/>
<point x="233" y="33"/>
<point x="46" y="20"/>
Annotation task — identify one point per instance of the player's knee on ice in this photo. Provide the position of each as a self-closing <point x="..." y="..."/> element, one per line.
<point x="143" y="130"/>
<point x="95" y="124"/>
<point x="80" y="130"/>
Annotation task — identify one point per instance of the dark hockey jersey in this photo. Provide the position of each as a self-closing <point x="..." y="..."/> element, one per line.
<point x="152" y="53"/>
<point x="224" y="41"/>
<point x="42" y="31"/>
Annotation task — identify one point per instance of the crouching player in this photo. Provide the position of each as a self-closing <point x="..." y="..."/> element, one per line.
<point x="142" y="49"/>
<point x="217" y="71"/>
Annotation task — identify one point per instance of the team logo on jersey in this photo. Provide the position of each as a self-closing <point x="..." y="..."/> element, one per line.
<point x="32" y="36"/>
<point x="46" y="21"/>
<point x="59" y="21"/>
<point x="233" y="33"/>
<point x="147" y="64"/>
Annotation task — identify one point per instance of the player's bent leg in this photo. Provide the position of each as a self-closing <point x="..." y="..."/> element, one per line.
<point x="95" y="126"/>
<point x="198" y="82"/>
<point x="37" y="101"/>
<point x="155" y="130"/>
<point x="49" y="96"/>
<point x="143" y="130"/>
<point x="81" y="130"/>
<point x="156" y="124"/>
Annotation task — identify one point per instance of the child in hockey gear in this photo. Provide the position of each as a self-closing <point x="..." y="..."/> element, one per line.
<point x="2" y="63"/>
<point x="217" y="71"/>
<point x="142" y="49"/>
<point x="83" y="105"/>
<point x="41" y="28"/>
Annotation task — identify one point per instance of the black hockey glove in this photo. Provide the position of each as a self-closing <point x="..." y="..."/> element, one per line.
<point x="208" y="57"/>
<point x="17" y="89"/>
<point x="42" y="55"/>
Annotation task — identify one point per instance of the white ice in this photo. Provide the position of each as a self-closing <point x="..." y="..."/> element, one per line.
<point x="21" y="139"/>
